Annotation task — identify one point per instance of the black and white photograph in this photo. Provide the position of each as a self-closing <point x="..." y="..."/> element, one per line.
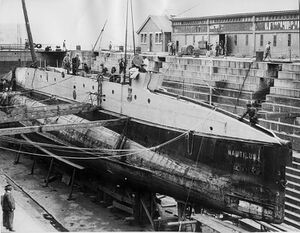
<point x="150" y="115"/>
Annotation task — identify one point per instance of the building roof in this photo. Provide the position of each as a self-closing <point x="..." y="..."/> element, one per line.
<point x="161" y="21"/>
<point x="268" y="13"/>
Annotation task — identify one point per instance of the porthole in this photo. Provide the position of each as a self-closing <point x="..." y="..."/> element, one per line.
<point x="93" y="87"/>
<point x="149" y="101"/>
<point x="83" y="85"/>
<point x="74" y="87"/>
<point x="54" y="79"/>
<point x="112" y="92"/>
<point x="135" y="97"/>
<point x="211" y="128"/>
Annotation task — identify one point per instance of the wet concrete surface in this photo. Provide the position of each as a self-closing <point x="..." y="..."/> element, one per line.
<point x="81" y="214"/>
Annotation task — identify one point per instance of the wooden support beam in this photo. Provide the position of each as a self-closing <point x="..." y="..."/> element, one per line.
<point x="216" y="224"/>
<point x="122" y="207"/>
<point x="25" y="113"/>
<point x="116" y="195"/>
<point x="72" y="184"/>
<point x="49" y="172"/>
<point x="53" y="155"/>
<point x="18" y="155"/>
<point x="168" y="205"/>
<point x="182" y="223"/>
<point x="57" y="127"/>
<point x="147" y="213"/>
<point x="268" y="226"/>
<point x="33" y="165"/>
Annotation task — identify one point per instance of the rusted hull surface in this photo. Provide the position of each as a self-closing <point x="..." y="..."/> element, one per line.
<point x="200" y="185"/>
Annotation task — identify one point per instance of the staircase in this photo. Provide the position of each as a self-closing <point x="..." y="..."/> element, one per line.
<point x="292" y="197"/>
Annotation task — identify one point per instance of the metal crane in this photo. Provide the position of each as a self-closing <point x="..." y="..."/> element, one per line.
<point x="99" y="37"/>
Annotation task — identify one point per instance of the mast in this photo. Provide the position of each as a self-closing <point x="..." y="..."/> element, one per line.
<point x="133" y="37"/>
<point x="125" y="59"/>
<point x="299" y="26"/>
<point x="33" y="55"/>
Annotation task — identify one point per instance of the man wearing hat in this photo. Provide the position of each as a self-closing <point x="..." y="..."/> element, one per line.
<point x="8" y="207"/>
<point x="252" y="113"/>
<point x="268" y="51"/>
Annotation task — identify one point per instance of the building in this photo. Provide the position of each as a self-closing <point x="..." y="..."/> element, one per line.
<point x="242" y="34"/>
<point x="155" y="33"/>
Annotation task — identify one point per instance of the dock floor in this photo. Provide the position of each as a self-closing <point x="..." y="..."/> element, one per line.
<point x="81" y="214"/>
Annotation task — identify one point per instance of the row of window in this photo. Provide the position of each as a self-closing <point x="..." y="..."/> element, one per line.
<point x="265" y="18"/>
<point x="237" y="19"/>
<point x="157" y="37"/>
<point x="261" y="42"/>
<point x="231" y="27"/>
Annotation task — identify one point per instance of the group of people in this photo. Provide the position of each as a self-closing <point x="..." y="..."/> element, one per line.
<point x="73" y="64"/>
<point x="171" y="48"/>
<point x="216" y="50"/>
<point x="5" y="97"/>
<point x="219" y="48"/>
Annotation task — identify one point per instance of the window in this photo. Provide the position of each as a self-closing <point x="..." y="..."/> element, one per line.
<point x="289" y="40"/>
<point x="274" y="40"/>
<point x="235" y="39"/>
<point x="142" y="38"/>
<point x="261" y="40"/>
<point x="158" y="37"/>
<point x="247" y="40"/>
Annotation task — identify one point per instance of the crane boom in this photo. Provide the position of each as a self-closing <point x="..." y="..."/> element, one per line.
<point x="33" y="55"/>
<point x="99" y="36"/>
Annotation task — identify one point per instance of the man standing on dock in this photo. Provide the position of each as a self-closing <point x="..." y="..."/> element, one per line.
<point x="122" y="66"/>
<point x="8" y="208"/>
<point x="268" y="51"/>
<point x="75" y="64"/>
<point x="64" y="46"/>
<point x="67" y="63"/>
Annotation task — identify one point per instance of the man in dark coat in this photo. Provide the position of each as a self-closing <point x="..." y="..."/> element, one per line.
<point x="8" y="207"/>
<point x="252" y="113"/>
<point x="75" y="64"/>
<point x="122" y="66"/>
